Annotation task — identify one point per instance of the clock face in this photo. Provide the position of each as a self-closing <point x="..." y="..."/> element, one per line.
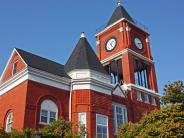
<point x="110" y="44"/>
<point x="138" y="43"/>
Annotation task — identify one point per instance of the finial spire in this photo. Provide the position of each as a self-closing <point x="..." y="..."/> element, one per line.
<point x="82" y="35"/>
<point x="119" y="2"/>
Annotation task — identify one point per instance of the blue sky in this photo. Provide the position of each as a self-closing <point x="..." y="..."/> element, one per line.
<point x="51" y="28"/>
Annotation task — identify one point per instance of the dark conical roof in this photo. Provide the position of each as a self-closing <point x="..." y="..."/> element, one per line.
<point x="83" y="57"/>
<point x="118" y="14"/>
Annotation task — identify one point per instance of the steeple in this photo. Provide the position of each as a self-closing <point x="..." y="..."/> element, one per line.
<point x="83" y="57"/>
<point x="119" y="13"/>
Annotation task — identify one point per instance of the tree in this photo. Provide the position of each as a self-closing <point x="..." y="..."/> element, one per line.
<point x="164" y="123"/>
<point x="167" y="122"/>
<point x="173" y="93"/>
<point x="60" y="129"/>
<point x="57" y="129"/>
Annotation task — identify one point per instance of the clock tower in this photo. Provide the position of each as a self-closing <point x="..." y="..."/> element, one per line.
<point x="124" y="50"/>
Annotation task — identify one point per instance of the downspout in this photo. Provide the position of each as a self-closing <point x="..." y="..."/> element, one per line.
<point x="70" y="103"/>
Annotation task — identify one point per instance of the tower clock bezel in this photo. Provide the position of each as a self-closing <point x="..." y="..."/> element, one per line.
<point x="136" y="45"/>
<point x="108" y="42"/>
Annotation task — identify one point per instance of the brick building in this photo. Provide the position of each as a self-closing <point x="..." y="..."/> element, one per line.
<point x="101" y="91"/>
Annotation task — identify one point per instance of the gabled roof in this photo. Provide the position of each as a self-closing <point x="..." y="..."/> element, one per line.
<point x="41" y="63"/>
<point x="83" y="57"/>
<point x="118" y="14"/>
<point x="118" y="91"/>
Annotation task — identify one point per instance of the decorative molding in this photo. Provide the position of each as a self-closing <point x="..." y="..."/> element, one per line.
<point x="127" y="50"/>
<point x="86" y="73"/>
<point x="14" y="81"/>
<point x="91" y="80"/>
<point x="119" y="92"/>
<point x="92" y="84"/>
<point x="147" y="40"/>
<point x="115" y="23"/>
<point x="37" y="76"/>
<point x="13" y="52"/>
<point x="121" y="29"/>
<point x="140" y="88"/>
<point x="97" y="42"/>
<point x="128" y="29"/>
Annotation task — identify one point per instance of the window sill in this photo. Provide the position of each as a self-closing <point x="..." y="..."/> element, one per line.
<point x="41" y="123"/>
<point x="139" y="100"/>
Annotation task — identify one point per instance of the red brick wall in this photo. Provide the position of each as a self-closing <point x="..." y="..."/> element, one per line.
<point x="94" y="103"/>
<point x="124" y="40"/>
<point x="25" y="100"/>
<point x="14" y="100"/>
<point x="140" y="108"/>
<point x="36" y="93"/>
<point x="20" y="66"/>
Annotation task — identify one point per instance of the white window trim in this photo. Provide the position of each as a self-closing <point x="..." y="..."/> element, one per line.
<point x="16" y="62"/>
<point x="148" y="102"/>
<point x="48" y="114"/>
<point x="137" y="98"/>
<point x="153" y="103"/>
<point x="100" y="115"/>
<point x="48" y="117"/>
<point x="85" y="124"/>
<point x="126" y="120"/>
<point x="7" y="123"/>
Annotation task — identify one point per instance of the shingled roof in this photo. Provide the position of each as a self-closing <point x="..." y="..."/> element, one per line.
<point x="83" y="57"/>
<point x="118" y="14"/>
<point x="41" y="63"/>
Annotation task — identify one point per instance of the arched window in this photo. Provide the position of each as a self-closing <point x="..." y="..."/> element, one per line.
<point x="9" y="122"/>
<point x="48" y="112"/>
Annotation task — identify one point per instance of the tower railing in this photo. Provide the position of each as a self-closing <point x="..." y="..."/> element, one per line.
<point x="136" y="22"/>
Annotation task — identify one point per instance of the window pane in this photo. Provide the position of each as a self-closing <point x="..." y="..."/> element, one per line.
<point x="99" y="129"/>
<point x="52" y="114"/>
<point x="104" y="135"/>
<point x="15" y="68"/>
<point x="119" y="120"/>
<point x="44" y="113"/>
<point x="101" y="120"/>
<point x="119" y="110"/>
<point x="139" y="97"/>
<point x="43" y="119"/>
<point x="99" y="136"/>
<point x="104" y="130"/>
<point x="52" y="120"/>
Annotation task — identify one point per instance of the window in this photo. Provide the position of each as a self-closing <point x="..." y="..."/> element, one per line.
<point x="141" y="74"/>
<point x="146" y="98"/>
<point x="119" y="116"/>
<point x="114" y="69"/>
<point x="48" y="112"/>
<point x="153" y="100"/>
<point x="14" y="71"/>
<point x="139" y="96"/>
<point x="101" y="126"/>
<point x="9" y="122"/>
<point x="82" y="121"/>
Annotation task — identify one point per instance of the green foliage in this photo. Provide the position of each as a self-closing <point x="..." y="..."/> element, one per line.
<point x="174" y="93"/>
<point x="57" y="129"/>
<point x="165" y="123"/>
<point x="60" y="128"/>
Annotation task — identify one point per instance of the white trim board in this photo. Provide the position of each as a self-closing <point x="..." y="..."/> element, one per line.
<point x="140" y="88"/>
<point x="13" y="52"/>
<point x="92" y="84"/>
<point x="127" y="50"/>
<point x="120" y="20"/>
<point x="36" y="76"/>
